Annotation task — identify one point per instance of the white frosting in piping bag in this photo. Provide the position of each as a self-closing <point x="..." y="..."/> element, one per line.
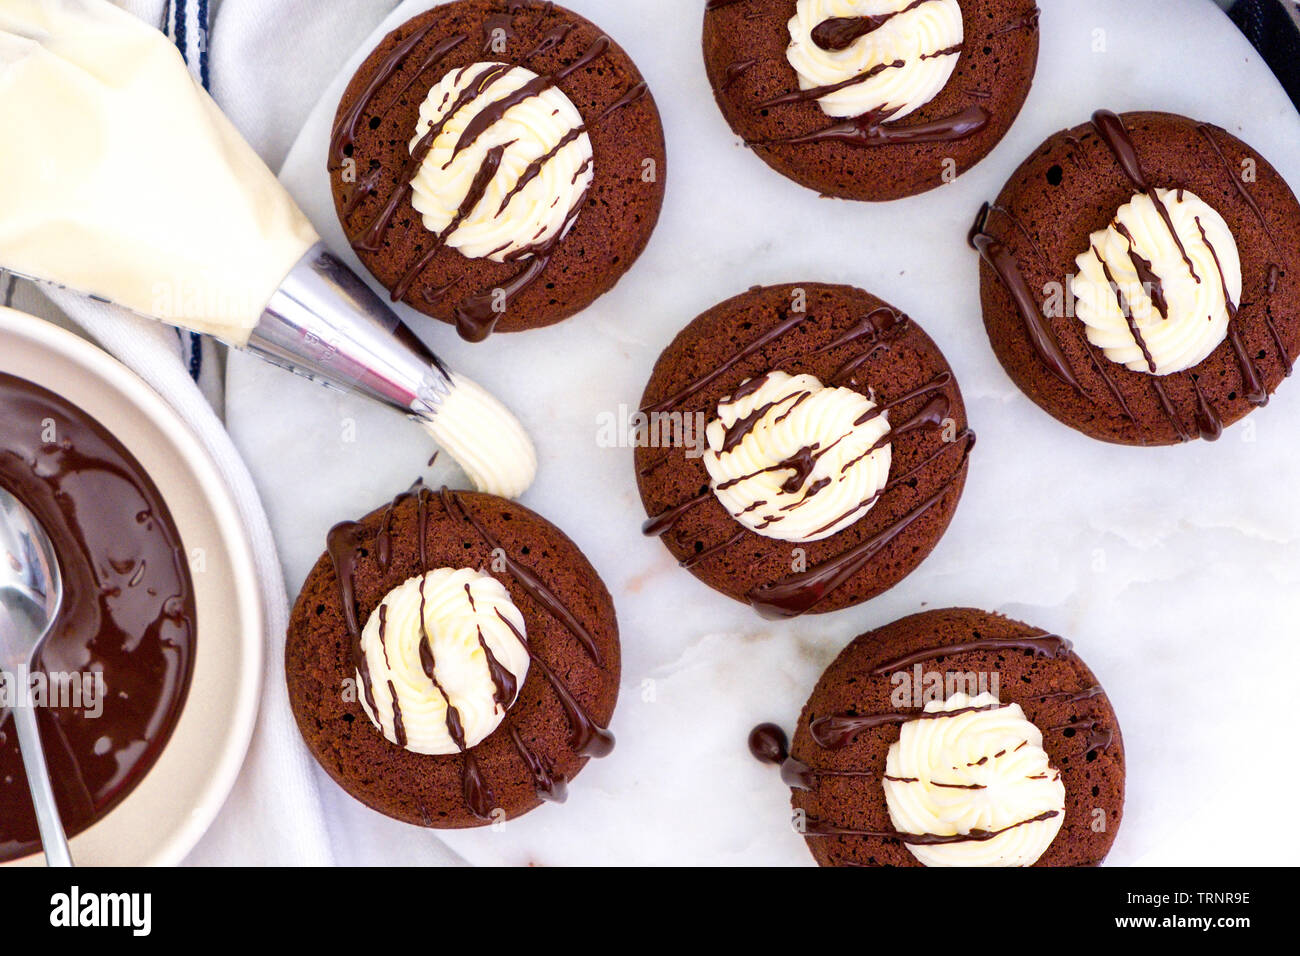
<point x="120" y="177"/>
<point x="796" y="461"/>
<point x="979" y="770"/>
<point x="448" y="620"/>
<point x="1196" y="293"/>
<point x="909" y="56"/>
<point x="546" y="127"/>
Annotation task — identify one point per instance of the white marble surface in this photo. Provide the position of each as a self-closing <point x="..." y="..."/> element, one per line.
<point x="1175" y="571"/>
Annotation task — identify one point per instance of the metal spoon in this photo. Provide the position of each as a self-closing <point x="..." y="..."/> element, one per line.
<point x="31" y="592"/>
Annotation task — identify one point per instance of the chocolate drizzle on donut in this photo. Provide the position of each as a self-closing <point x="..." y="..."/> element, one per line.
<point x="1256" y="393"/>
<point x="836" y="730"/>
<point x="1114" y="135"/>
<point x="769" y="744"/>
<point x="817" y="92"/>
<point x="873" y="129"/>
<point x="1006" y="267"/>
<point x="840" y="33"/>
<point x="800" y="592"/>
<point x="1206" y="133"/>
<point x="475" y="315"/>
<point x="349" y="544"/>
<point x="822" y="828"/>
<point x="735" y="70"/>
<point x="588" y="737"/>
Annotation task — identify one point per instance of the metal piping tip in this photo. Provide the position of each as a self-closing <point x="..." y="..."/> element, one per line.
<point x="325" y="324"/>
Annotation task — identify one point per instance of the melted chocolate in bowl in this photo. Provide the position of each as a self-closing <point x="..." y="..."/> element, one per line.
<point x="128" y="612"/>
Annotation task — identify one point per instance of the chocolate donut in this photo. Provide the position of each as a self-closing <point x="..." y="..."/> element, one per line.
<point x="453" y="659"/>
<point x="894" y="101"/>
<point x="1138" y="278"/>
<point x="803" y="447"/>
<point x="497" y="164"/>
<point x="954" y="738"/>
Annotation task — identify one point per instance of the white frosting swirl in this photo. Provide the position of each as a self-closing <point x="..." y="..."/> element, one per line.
<point x="917" y="35"/>
<point x="978" y="770"/>
<point x="464" y="612"/>
<point x="530" y="131"/>
<point x="1197" y="296"/>
<point x="796" y="461"/>
<point x="485" y="439"/>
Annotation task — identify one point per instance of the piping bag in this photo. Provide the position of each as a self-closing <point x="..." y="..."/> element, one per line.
<point x="121" y="179"/>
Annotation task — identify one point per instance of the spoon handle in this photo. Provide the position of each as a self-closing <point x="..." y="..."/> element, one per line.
<point x="53" y="839"/>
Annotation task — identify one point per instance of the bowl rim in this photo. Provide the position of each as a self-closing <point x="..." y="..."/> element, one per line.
<point x="111" y="373"/>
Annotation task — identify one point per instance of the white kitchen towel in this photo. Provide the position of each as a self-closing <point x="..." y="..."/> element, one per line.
<point x="266" y="62"/>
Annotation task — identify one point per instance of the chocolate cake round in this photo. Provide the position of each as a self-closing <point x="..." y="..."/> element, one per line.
<point x="453" y="659"/>
<point x="497" y="164"/>
<point x="803" y="447"/>
<point x="954" y="738"/>
<point x="871" y="100"/>
<point x="1139" y="278"/>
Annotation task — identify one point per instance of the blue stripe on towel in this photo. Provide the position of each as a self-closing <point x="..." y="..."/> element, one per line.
<point x="194" y="50"/>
